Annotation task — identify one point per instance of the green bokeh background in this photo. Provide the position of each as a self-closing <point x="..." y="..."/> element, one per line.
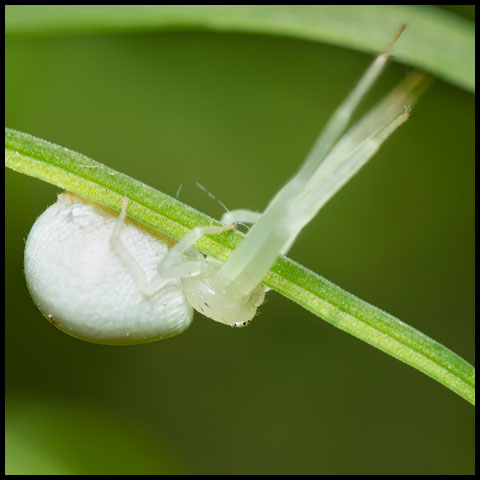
<point x="290" y="394"/>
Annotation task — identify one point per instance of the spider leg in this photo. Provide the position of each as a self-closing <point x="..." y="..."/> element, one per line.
<point x="301" y="198"/>
<point x="126" y="257"/>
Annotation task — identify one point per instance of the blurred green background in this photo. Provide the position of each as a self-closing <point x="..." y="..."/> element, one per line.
<point x="290" y="394"/>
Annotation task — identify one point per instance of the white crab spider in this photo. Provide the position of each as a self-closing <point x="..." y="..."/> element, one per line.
<point x="82" y="276"/>
<point x="106" y="279"/>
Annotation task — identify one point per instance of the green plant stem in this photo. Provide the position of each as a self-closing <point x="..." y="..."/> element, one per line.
<point x="79" y="174"/>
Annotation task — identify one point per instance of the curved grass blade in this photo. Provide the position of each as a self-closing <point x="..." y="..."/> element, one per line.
<point x="438" y="41"/>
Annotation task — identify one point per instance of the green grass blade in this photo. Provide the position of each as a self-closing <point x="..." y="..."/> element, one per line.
<point x="437" y="41"/>
<point x="82" y="175"/>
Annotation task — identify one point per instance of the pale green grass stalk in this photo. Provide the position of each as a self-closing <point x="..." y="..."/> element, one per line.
<point x="79" y="174"/>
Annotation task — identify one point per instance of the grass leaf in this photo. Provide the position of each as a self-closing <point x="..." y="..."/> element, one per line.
<point x="79" y="174"/>
<point x="438" y="41"/>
